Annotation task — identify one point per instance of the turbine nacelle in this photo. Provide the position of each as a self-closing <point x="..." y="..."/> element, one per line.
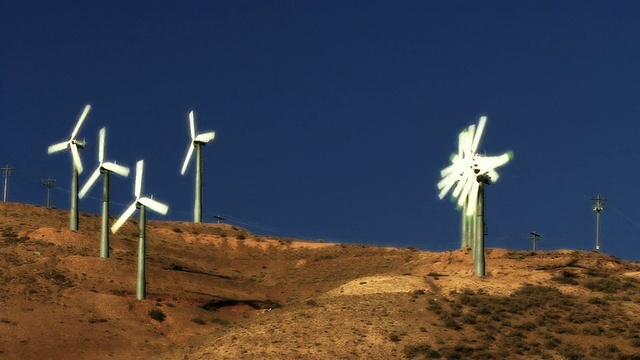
<point x="140" y="200"/>
<point x="468" y="169"/>
<point x="200" y="139"/>
<point x="73" y="144"/>
<point x="103" y="166"/>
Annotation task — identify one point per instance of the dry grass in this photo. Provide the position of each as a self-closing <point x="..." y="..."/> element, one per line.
<point x="218" y="291"/>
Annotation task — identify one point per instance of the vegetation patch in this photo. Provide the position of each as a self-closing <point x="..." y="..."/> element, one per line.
<point x="424" y="351"/>
<point x="157" y="315"/>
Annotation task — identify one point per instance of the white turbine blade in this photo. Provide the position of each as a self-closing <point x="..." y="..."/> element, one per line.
<point x="446" y="184"/>
<point x="154" y="205"/>
<point x="124" y="217"/>
<point x="478" y="135"/>
<point x="192" y="125"/>
<point x="461" y="138"/>
<point x="83" y="116"/>
<point x="469" y="139"/>
<point x="206" y="137"/>
<point x="473" y="199"/>
<point x="492" y="162"/>
<point x="456" y="166"/>
<point x="137" y="190"/>
<point x="101" y="138"/>
<point x="116" y="168"/>
<point x="464" y="194"/>
<point x="459" y="187"/>
<point x="76" y="158"/>
<point x="89" y="183"/>
<point x="493" y="175"/>
<point x="57" y="147"/>
<point x="187" y="158"/>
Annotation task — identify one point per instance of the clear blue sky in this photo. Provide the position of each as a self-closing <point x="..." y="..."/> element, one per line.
<point x="334" y="118"/>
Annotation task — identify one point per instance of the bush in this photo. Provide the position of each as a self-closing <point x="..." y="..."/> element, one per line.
<point x="394" y="337"/>
<point x="240" y="237"/>
<point x="157" y="315"/>
<point x="199" y="321"/>
<point x="219" y="321"/>
<point x="566" y="277"/>
<point x="412" y="351"/>
<point x="572" y="351"/>
<point x="604" y="285"/>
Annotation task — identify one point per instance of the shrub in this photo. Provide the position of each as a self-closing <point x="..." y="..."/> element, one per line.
<point x="424" y="350"/>
<point x="394" y="337"/>
<point x="604" y="285"/>
<point x="240" y="237"/>
<point x="93" y="320"/>
<point x="598" y="301"/>
<point x="199" y="321"/>
<point x="572" y="351"/>
<point x="566" y="277"/>
<point x="219" y="321"/>
<point x="157" y="315"/>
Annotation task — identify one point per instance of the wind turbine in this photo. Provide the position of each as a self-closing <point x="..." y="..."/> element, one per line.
<point x="142" y="203"/>
<point x="469" y="172"/>
<point x="73" y="144"/>
<point x="104" y="168"/>
<point x="197" y="142"/>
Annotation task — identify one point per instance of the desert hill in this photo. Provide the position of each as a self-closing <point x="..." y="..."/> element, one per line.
<point x="216" y="291"/>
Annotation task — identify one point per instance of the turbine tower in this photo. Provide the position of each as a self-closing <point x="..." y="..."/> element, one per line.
<point x="104" y="168"/>
<point x="73" y="145"/>
<point x="197" y="142"/>
<point x="469" y="172"/>
<point x="142" y="203"/>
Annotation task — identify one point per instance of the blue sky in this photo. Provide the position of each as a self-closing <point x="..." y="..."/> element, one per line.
<point x="334" y="118"/>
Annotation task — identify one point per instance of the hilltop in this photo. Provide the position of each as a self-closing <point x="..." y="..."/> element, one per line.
<point x="219" y="291"/>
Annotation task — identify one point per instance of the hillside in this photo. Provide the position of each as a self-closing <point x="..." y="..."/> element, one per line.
<point x="216" y="291"/>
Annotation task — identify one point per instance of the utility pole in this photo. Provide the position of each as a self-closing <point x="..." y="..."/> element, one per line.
<point x="49" y="183"/>
<point x="219" y="218"/>
<point x="6" y="171"/>
<point x="535" y="237"/>
<point x="598" y="207"/>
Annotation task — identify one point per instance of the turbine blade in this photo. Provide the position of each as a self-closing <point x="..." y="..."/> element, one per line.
<point x="492" y="162"/>
<point x="187" y="158"/>
<point x="83" y="116"/>
<point x="493" y="175"/>
<point x="154" y="205"/>
<point x="137" y="190"/>
<point x="89" y="183"/>
<point x="456" y="166"/>
<point x="478" y="135"/>
<point x="461" y="138"/>
<point x="473" y="199"/>
<point x="445" y="185"/>
<point x="464" y="194"/>
<point x="76" y="158"/>
<point x="459" y="186"/>
<point x="192" y="125"/>
<point x="206" y="137"/>
<point x="116" y="168"/>
<point x="101" y="136"/>
<point x="469" y="139"/>
<point x="57" y="147"/>
<point x="124" y="217"/>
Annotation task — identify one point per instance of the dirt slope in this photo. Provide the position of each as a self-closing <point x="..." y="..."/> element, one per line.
<point x="217" y="291"/>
